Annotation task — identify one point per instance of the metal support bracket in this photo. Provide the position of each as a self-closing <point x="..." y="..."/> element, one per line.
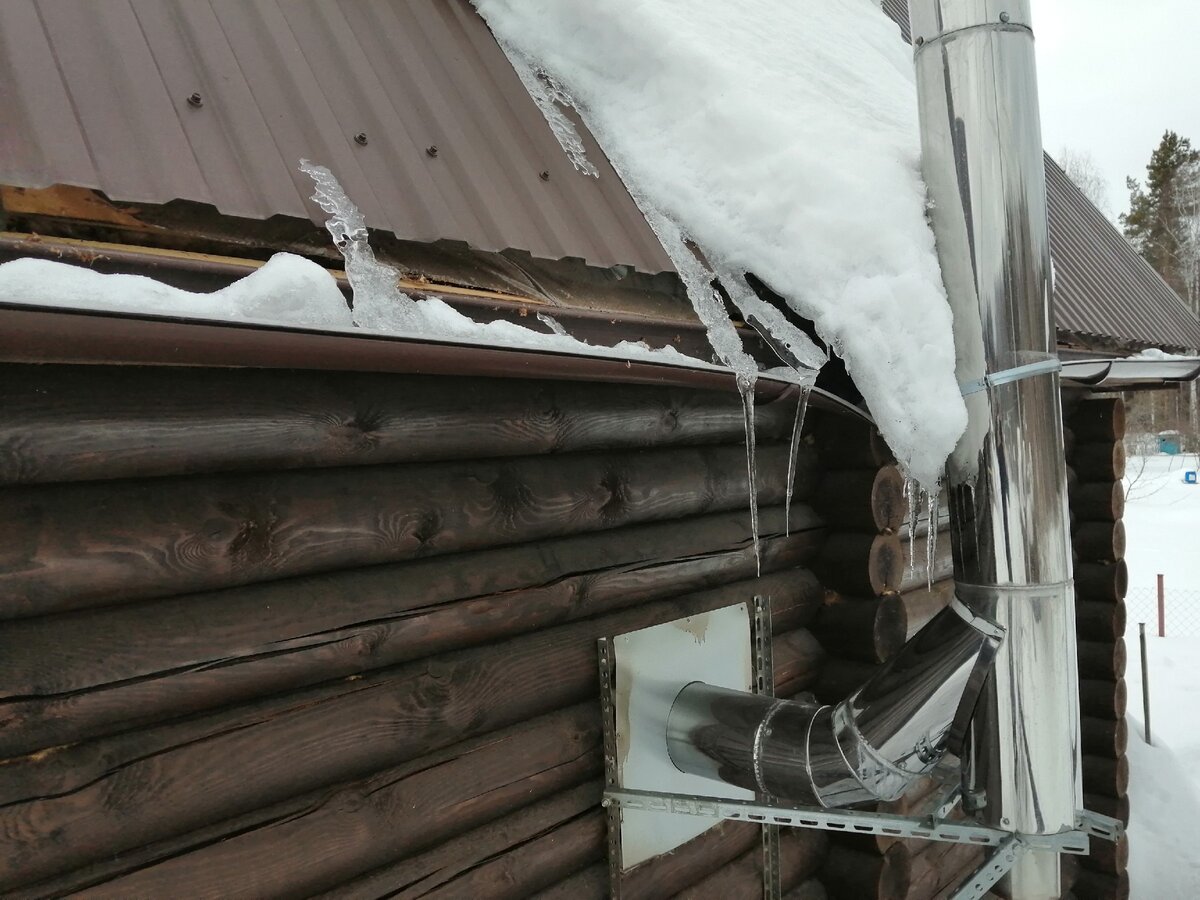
<point x="991" y="871"/>
<point x="608" y="717"/>
<point x="1074" y="842"/>
<point x="764" y="683"/>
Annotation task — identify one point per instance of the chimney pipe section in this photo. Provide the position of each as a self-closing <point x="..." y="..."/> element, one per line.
<point x="869" y="747"/>
<point x="982" y="162"/>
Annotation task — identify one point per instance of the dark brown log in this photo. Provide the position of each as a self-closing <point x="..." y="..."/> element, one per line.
<point x="1099" y="620"/>
<point x="1108" y="856"/>
<point x="670" y="873"/>
<point x="922" y="604"/>
<point x="1099" y="541"/>
<point x="127" y="790"/>
<point x="848" y="443"/>
<point x="516" y="855"/>
<point x="917" y="573"/>
<point x="369" y="823"/>
<point x="527" y="867"/>
<point x="810" y="889"/>
<point x="1104" y="737"/>
<point x="284" y="635"/>
<point x="591" y="883"/>
<point x="865" y="630"/>
<point x="1102" y="699"/>
<point x="840" y="677"/>
<point x="1098" y="659"/>
<point x="862" y="564"/>
<point x="797" y="659"/>
<point x="1101" y="420"/>
<point x="937" y="865"/>
<point x="1099" y="462"/>
<point x="1117" y="807"/>
<point x="1099" y="501"/>
<point x="800" y="854"/>
<point x="1102" y="775"/>
<point x="71" y="546"/>
<point x="1102" y="581"/>
<point x="852" y="875"/>
<point x="1101" y="886"/>
<point x="857" y="500"/>
<point x="394" y="812"/>
<point x="72" y="423"/>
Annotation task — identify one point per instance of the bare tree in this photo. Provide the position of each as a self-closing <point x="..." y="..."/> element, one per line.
<point x="1184" y="228"/>
<point x="1082" y="169"/>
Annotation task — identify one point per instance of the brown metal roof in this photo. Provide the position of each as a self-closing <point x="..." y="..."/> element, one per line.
<point x="1102" y="288"/>
<point x="97" y="95"/>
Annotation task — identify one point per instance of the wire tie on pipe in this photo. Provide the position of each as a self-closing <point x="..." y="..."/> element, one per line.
<point x="1005" y="376"/>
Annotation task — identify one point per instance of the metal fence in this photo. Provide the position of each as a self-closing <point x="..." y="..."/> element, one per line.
<point x="1177" y="615"/>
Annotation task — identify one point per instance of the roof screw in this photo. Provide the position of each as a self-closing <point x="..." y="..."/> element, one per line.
<point x="195" y="99"/>
<point x="1005" y="17"/>
<point x="361" y="138"/>
<point x="920" y="41"/>
<point x="545" y="176"/>
<point x="431" y="150"/>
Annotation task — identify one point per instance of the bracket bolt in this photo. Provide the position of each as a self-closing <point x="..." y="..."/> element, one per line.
<point x="431" y="150"/>
<point x="1005" y="17"/>
<point x="195" y="99"/>
<point x="361" y="138"/>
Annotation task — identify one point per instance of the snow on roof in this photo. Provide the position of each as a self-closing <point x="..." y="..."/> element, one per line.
<point x="778" y="138"/>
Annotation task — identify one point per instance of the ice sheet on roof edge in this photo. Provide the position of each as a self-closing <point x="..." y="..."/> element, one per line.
<point x="832" y="132"/>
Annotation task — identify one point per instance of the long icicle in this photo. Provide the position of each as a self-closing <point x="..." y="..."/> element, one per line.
<point x="746" y="389"/>
<point x="931" y="531"/>
<point x="794" y="452"/>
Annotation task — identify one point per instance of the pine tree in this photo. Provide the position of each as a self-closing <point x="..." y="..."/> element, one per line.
<point x="1153" y="223"/>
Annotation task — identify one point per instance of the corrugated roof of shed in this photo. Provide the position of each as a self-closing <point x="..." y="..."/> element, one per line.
<point x="96" y="95"/>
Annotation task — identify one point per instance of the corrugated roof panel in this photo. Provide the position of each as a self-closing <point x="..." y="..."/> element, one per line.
<point x="96" y="94"/>
<point x="1102" y="287"/>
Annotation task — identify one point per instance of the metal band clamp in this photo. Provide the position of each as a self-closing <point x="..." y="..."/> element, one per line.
<point x="1018" y="373"/>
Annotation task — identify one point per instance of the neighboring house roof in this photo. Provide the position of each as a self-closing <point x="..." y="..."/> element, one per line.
<point x="97" y="95"/>
<point x="1102" y="288"/>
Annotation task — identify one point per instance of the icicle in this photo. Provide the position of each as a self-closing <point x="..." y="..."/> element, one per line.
<point x="746" y="389"/>
<point x="797" y="427"/>
<point x="553" y="324"/>
<point x="931" y="532"/>
<point x="552" y="99"/>
<point x="912" y="492"/>
<point x="378" y="303"/>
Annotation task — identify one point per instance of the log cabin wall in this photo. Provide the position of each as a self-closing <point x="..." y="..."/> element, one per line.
<point x="295" y="633"/>
<point x="1094" y="431"/>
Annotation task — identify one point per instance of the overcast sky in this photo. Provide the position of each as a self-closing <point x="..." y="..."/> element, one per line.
<point x="1113" y="75"/>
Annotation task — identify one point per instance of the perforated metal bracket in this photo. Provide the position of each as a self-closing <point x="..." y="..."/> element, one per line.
<point x="1096" y="825"/>
<point x="991" y="871"/>
<point x="608" y="717"/>
<point x="764" y="683"/>
<point x="848" y="821"/>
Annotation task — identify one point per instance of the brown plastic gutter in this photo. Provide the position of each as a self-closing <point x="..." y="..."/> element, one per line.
<point x="32" y="334"/>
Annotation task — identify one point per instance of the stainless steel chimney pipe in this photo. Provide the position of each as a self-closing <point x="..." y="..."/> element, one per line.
<point x="871" y="746"/>
<point x="982" y="162"/>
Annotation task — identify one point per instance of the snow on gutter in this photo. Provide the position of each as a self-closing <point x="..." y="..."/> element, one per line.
<point x="773" y="138"/>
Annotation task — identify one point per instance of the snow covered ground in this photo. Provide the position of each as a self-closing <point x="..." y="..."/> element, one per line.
<point x="1162" y="521"/>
